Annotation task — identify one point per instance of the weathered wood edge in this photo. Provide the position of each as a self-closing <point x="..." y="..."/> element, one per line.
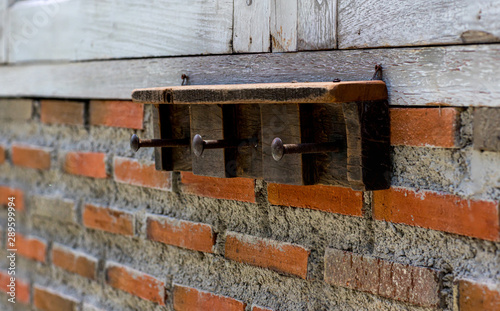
<point x="268" y="93"/>
<point x="414" y="76"/>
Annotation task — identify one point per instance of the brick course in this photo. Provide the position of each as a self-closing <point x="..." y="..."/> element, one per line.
<point x="22" y="287"/>
<point x="74" y="261"/>
<point x="438" y="211"/>
<point x="89" y="164"/>
<point x="135" y="282"/>
<point x="133" y="172"/>
<point x="278" y="256"/>
<point x="18" y="194"/>
<point x="239" y="189"/>
<point x="61" y="112"/>
<point x="30" y="247"/>
<point x="51" y="300"/>
<point x="474" y="295"/>
<point x="192" y="299"/>
<point x="31" y="156"/>
<point x="187" y="234"/>
<point x="107" y="219"/>
<point x="324" y="198"/>
<point x="116" y="113"/>
<point x="415" y="285"/>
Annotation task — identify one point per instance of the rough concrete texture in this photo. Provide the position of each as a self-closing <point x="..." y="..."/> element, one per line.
<point x="463" y="171"/>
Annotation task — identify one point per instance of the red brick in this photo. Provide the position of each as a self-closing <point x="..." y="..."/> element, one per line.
<point x="433" y="127"/>
<point x="278" y="256"/>
<point x="2" y="154"/>
<point x="90" y="164"/>
<point x="186" y="234"/>
<point x="51" y="300"/>
<point x="324" y="198"/>
<point x="136" y="283"/>
<point x="22" y="287"/>
<point x="473" y="295"/>
<point x="239" y="189"/>
<point x="61" y="112"/>
<point x="257" y="308"/>
<point x="131" y="171"/>
<point x="107" y="219"/>
<point x="74" y="261"/>
<point x="30" y="247"/>
<point x="18" y="194"/>
<point x="31" y="156"/>
<point x="192" y="299"/>
<point x="416" y="285"/>
<point x="438" y="211"/>
<point x="117" y="113"/>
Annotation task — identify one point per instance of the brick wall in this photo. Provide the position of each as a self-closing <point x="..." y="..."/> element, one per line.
<point x="100" y="229"/>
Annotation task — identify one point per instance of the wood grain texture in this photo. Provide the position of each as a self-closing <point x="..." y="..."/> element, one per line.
<point x="284" y="25"/>
<point x="377" y="23"/>
<point x="487" y="129"/>
<point x="317" y="24"/>
<point x="265" y="93"/>
<point x="251" y="26"/>
<point x="103" y="29"/>
<point x="3" y="30"/>
<point x="453" y="75"/>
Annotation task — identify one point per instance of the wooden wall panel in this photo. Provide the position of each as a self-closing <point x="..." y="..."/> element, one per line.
<point x="251" y="26"/>
<point x="381" y="23"/>
<point x="317" y="25"/>
<point x="284" y="17"/>
<point x="452" y="75"/>
<point x="3" y="30"/>
<point x="102" y="29"/>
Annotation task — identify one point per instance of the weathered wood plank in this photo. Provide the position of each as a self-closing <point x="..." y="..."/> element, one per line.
<point x="251" y="26"/>
<point x="101" y="29"/>
<point x="487" y="129"/>
<point x="452" y="75"/>
<point x="376" y="23"/>
<point x="317" y="24"/>
<point x="3" y="30"/>
<point x="265" y="93"/>
<point x="284" y="25"/>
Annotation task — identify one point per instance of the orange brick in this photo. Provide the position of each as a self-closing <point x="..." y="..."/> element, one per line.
<point x="438" y="211"/>
<point x="473" y="295"/>
<point x="239" y="189"/>
<point x="192" y="299"/>
<point x="278" y="256"/>
<point x="74" y="261"/>
<point x="18" y="194"/>
<point x="30" y="247"/>
<point x="2" y="155"/>
<point x="433" y="127"/>
<point x="61" y="112"/>
<point x="51" y="300"/>
<point x="324" y="198"/>
<point x="135" y="282"/>
<point x="182" y="233"/>
<point x="106" y="219"/>
<point x="415" y="285"/>
<point x="22" y="288"/>
<point x="257" y="308"/>
<point x="131" y="171"/>
<point x="117" y="113"/>
<point x="31" y="156"/>
<point x="90" y="164"/>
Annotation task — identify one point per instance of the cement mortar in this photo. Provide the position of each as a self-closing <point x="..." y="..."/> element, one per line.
<point x="464" y="172"/>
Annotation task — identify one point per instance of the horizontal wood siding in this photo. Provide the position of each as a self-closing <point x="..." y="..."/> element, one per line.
<point x="102" y="29"/>
<point x="452" y="75"/>
<point x="3" y="31"/>
<point x="382" y="23"/>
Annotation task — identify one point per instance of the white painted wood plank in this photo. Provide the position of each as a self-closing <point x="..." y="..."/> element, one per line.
<point x="102" y="29"/>
<point x="452" y="75"/>
<point x="3" y="30"/>
<point x="317" y="24"/>
<point x="251" y="26"/>
<point x="284" y="25"/>
<point x="376" y="23"/>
